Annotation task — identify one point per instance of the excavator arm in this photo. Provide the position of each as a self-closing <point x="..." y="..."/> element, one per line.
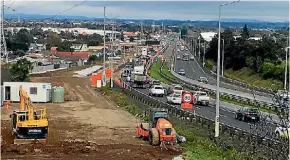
<point x="26" y="104"/>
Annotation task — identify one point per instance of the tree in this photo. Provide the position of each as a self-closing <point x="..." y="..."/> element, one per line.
<point x="183" y="32"/>
<point x="20" y="70"/>
<point x="131" y="39"/>
<point x="65" y="46"/>
<point x="245" y="32"/>
<point x="53" y="40"/>
<point x="20" y="41"/>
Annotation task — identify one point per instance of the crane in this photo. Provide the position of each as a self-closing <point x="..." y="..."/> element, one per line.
<point x="28" y="123"/>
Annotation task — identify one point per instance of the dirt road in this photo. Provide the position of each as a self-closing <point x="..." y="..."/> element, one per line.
<point x="86" y="126"/>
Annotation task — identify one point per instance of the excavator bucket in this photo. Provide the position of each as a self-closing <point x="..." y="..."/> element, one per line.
<point x="29" y="141"/>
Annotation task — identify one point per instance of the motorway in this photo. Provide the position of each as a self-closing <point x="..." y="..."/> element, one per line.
<point x="226" y="116"/>
<point x="193" y="71"/>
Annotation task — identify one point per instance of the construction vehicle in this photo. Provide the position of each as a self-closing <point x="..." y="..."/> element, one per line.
<point x="28" y="124"/>
<point x="159" y="131"/>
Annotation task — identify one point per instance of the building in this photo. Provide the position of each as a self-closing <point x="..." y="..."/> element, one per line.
<point x="208" y="36"/>
<point x="95" y="48"/>
<point x="80" y="47"/>
<point x="35" y="48"/>
<point x="38" y="92"/>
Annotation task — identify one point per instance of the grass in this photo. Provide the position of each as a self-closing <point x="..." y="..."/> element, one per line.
<point x="248" y="76"/>
<point x="198" y="145"/>
<point x="155" y="74"/>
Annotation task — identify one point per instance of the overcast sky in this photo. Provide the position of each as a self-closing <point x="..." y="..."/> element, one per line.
<point x="187" y="10"/>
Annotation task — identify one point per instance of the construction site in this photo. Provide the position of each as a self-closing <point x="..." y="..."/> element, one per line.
<point x="87" y="125"/>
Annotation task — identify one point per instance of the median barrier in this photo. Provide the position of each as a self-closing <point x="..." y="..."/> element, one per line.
<point x="239" y="83"/>
<point x="237" y="98"/>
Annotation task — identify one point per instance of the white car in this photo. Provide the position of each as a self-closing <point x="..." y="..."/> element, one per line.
<point x="191" y="58"/>
<point x="181" y="72"/>
<point x="178" y="57"/>
<point x="201" y="98"/>
<point x="282" y="131"/>
<point x="157" y="90"/>
<point x="174" y="98"/>
<point x="175" y="88"/>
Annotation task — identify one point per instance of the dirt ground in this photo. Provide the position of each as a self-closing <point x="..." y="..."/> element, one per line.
<point x="87" y="125"/>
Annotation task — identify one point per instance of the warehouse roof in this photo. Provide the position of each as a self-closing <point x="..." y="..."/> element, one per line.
<point x="207" y="36"/>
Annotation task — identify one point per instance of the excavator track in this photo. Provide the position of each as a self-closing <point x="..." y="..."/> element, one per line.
<point x="29" y="141"/>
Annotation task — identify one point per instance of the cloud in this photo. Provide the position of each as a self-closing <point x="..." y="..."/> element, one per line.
<point x="156" y="10"/>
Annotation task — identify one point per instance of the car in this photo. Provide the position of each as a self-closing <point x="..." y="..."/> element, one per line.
<point x="174" y="98"/>
<point x="248" y="114"/>
<point x="157" y="90"/>
<point x="154" y="82"/>
<point x="203" y="80"/>
<point x="181" y="72"/>
<point x="282" y="131"/>
<point x="174" y="88"/>
<point x="178" y="57"/>
<point x="191" y="58"/>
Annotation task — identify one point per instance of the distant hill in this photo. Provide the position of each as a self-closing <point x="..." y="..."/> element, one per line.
<point x="232" y="23"/>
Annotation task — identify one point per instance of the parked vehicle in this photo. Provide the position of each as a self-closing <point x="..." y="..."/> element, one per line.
<point x="201" y="98"/>
<point x="181" y="72"/>
<point x="248" y="114"/>
<point x="174" y="88"/>
<point x="178" y="57"/>
<point x="157" y="90"/>
<point x="203" y="80"/>
<point x="174" y="98"/>
<point x="282" y="131"/>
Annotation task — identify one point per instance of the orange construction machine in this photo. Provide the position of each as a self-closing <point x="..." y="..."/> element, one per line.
<point x="159" y="131"/>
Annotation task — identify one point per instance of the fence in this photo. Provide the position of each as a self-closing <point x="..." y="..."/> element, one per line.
<point x="52" y="67"/>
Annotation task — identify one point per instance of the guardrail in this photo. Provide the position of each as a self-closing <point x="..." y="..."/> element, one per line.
<point x="239" y="83"/>
<point x="237" y="98"/>
<point x="253" y="143"/>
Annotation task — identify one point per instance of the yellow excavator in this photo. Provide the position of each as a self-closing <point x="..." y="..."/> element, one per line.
<point x="28" y="124"/>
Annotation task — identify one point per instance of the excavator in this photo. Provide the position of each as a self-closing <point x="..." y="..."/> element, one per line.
<point x="28" y="124"/>
<point x="159" y="131"/>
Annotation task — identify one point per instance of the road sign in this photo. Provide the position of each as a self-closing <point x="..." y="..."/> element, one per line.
<point x="187" y="97"/>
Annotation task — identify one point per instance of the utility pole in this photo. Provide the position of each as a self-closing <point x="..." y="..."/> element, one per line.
<point x="104" y="51"/>
<point x="203" y="57"/>
<point x="3" y="49"/>
<point x="286" y="67"/>
<point x="142" y="28"/>
<point x="199" y="47"/>
<point x="223" y="57"/>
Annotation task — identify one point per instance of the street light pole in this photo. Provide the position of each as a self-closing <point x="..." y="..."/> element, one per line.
<point x="218" y="72"/>
<point x="223" y="57"/>
<point x="203" y="57"/>
<point x="199" y="47"/>
<point x="286" y="68"/>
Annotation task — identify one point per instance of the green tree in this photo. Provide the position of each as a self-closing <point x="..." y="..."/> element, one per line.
<point x="65" y="46"/>
<point x="245" y="32"/>
<point x="131" y="39"/>
<point x="20" y="70"/>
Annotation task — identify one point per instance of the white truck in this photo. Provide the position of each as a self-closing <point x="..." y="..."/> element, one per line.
<point x="201" y="98"/>
<point x="157" y="90"/>
<point x="182" y="48"/>
<point x="144" y="52"/>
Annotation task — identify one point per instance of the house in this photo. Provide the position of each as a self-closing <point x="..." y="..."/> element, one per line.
<point x="208" y="36"/>
<point x="79" y="55"/>
<point x="95" y="48"/>
<point x="38" y="92"/>
<point x="35" y="48"/>
<point x="80" y="47"/>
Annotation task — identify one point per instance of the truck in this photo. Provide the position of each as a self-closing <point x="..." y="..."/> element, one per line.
<point x="201" y="98"/>
<point x="138" y="77"/>
<point x="144" y="52"/>
<point x="182" y="48"/>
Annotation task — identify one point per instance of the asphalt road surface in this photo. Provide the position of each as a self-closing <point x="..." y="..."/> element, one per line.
<point x="193" y="71"/>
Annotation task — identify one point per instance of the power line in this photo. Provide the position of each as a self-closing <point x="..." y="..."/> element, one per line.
<point x="61" y="12"/>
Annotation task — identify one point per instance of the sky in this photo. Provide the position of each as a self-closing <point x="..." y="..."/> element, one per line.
<point x="185" y="10"/>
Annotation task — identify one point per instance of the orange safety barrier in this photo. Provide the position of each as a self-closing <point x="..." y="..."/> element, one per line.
<point x="95" y="78"/>
<point x="158" y="52"/>
<point x="6" y="104"/>
<point x="108" y="73"/>
<point x="186" y="105"/>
